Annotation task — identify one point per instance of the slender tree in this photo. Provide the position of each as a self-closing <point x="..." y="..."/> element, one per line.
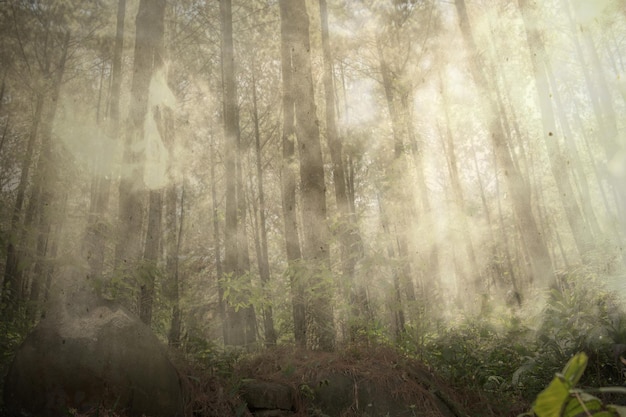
<point x="288" y="177"/>
<point x="541" y="264"/>
<point x="320" y="328"/>
<point x="96" y="230"/>
<point x="132" y="189"/>
<point x="457" y="190"/>
<point x="262" y="251"/>
<point x="11" y="293"/>
<point x="240" y="320"/>
<point x="156" y="118"/>
<point x="581" y="233"/>
<point x="43" y="58"/>
<point x="173" y="243"/>
<point x="45" y="185"/>
<point x="349" y="235"/>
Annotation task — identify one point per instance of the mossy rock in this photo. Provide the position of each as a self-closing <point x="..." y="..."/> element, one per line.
<point x="83" y="358"/>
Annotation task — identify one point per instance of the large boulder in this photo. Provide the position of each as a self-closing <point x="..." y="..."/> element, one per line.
<point x="91" y="354"/>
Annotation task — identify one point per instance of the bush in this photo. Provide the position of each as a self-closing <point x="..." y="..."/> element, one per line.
<point x="562" y="399"/>
<point x="514" y="354"/>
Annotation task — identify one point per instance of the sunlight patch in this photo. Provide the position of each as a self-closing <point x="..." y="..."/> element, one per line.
<point x="157" y="155"/>
<point x="587" y="10"/>
<point x="76" y="128"/>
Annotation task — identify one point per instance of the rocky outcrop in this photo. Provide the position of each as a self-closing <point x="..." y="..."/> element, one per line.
<point x="92" y="354"/>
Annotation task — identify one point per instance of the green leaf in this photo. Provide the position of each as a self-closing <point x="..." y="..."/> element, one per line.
<point x="555" y="400"/>
<point x="613" y="390"/>
<point x="550" y="401"/>
<point x="619" y="410"/>
<point x="575" y="368"/>
<point x="578" y="406"/>
<point x="583" y="404"/>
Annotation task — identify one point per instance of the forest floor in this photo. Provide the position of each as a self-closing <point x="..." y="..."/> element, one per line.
<point x="355" y="381"/>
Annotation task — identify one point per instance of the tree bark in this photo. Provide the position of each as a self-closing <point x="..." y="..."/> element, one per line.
<point x="262" y="252"/>
<point x="240" y="320"/>
<point x="149" y="267"/>
<point x="457" y="191"/>
<point x="219" y="271"/>
<point x="150" y="263"/>
<point x="288" y="178"/>
<point x="45" y="185"/>
<point x="12" y="285"/>
<point x="603" y="108"/>
<point x="132" y="189"/>
<point x="349" y="235"/>
<point x="582" y="235"/>
<point x="174" y="240"/>
<point x="95" y="233"/>
<point x="321" y="332"/>
<point x="399" y="194"/>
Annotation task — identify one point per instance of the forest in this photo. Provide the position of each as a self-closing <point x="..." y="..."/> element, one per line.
<point x="313" y="208"/>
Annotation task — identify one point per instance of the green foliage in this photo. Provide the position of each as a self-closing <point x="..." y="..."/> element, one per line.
<point x="561" y="399"/>
<point x="220" y="361"/>
<point x="478" y="353"/>
<point x="583" y="316"/>
<point x="12" y="333"/>
<point x="238" y="291"/>
<point x="515" y="353"/>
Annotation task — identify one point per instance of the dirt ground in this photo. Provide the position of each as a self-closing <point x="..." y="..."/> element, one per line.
<point x="355" y="381"/>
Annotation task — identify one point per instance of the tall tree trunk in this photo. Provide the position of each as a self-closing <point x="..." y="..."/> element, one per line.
<point x="248" y="312"/>
<point x="219" y="272"/>
<point x="149" y="267"/>
<point x="457" y="190"/>
<point x="581" y="234"/>
<point x="11" y="294"/>
<point x="236" y="260"/>
<point x="46" y="181"/>
<point x="398" y="167"/>
<point x="320" y="332"/>
<point x="156" y="114"/>
<point x="173" y="228"/>
<point x="504" y="235"/>
<point x="173" y="244"/>
<point x="95" y="233"/>
<point x="571" y="152"/>
<point x="262" y="252"/>
<point x="288" y="178"/>
<point x="132" y="188"/>
<point x="3" y="89"/>
<point x="397" y="308"/>
<point x="499" y="272"/>
<point x="602" y="104"/>
<point x="349" y="235"/>
<point x="541" y="264"/>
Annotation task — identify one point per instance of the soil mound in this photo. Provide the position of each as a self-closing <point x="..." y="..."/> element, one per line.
<point x="370" y="381"/>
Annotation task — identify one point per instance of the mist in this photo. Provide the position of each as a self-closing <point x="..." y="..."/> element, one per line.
<point x="258" y="174"/>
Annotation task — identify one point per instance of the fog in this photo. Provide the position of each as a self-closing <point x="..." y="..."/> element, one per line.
<point x="456" y="134"/>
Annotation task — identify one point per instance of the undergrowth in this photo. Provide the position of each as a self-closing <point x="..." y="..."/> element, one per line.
<point x="511" y="355"/>
<point x="12" y="333"/>
<point x="494" y="364"/>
